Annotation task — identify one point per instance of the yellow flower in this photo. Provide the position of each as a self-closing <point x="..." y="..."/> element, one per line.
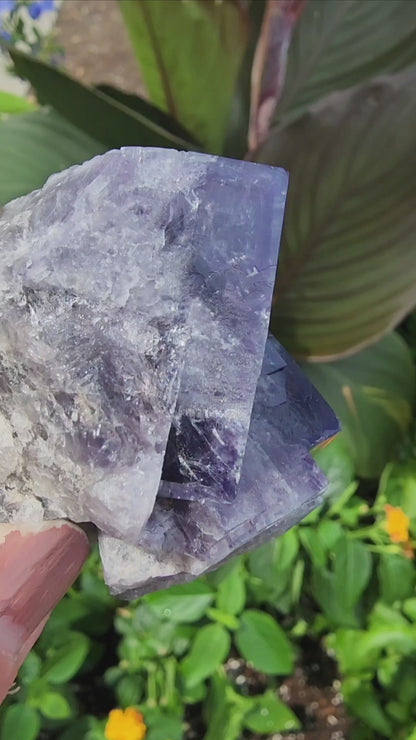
<point x="397" y="524"/>
<point x="125" y="725"/>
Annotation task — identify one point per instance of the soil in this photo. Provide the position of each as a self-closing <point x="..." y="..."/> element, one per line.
<point x="96" y="49"/>
<point x="96" y="45"/>
<point x="312" y="692"/>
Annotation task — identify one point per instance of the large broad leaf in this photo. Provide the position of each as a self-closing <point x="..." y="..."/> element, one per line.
<point x="347" y="266"/>
<point x="338" y="44"/>
<point x="34" y="146"/>
<point x="372" y="393"/>
<point x="107" y="119"/>
<point x="139" y="105"/>
<point x="189" y="53"/>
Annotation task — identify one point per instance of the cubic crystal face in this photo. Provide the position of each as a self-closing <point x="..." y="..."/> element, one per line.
<point x="135" y="389"/>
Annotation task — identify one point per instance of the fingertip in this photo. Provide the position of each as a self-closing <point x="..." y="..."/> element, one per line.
<point x="37" y="566"/>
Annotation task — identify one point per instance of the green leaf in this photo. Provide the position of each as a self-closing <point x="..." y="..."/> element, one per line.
<point x="162" y="726"/>
<point x="139" y="105"/>
<point x="336" y="462"/>
<point x="101" y="116"/>
<point x="406" y="683"/>
<point x="194" y="694"/>
<point x="387" y="670"/>
<point x="397" y="577"/>
<point x="347" y="502"/>
<point x="231" y="594"/>
<point x="358" y="651"/>
<point x="372" y="393"/>
<point x="224" y="709"/>
<point x="347" y="262"/>
<point x="129" y="690"/>
<point x="189" y="53"/>
<point x="208" y="651"/>
<point x="363" y="702"/>
<point x="272" y="565"/>
<point x="11" y="104"/>
<point x="340" y="44"/>
<point x="226" y="723"/>
<point x="352" y="570"/>
<point x="86" y="728"/>
<point x="398" y="711"/>
<point x="297" y="582"/>
<point x="54" y="705"/>
<point x="30" y="668"/>
<point x="338" y="591"/>
<point x="186" y="603"/>
<point x="385" y="617"/>
<point x="313" y="546"/>
<point x="228" y="620"/>
<point x="93" y="586"/>
<point x="409" y="608"/>
<point x="270" y="714"/>
<point x="20" y="722"/>
<point x="275" y="557"/>
<point x="329" y="533"/>
<point x="214" y="578"/>
<point x="325" y="593"/>
<point x="65" y="660"/>
<point x="34" y="146"/>
<point x="262" y="641"/>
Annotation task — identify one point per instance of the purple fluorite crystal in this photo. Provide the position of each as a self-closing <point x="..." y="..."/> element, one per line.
<point x="280" y="483"/>
<point x="135" y="390"/>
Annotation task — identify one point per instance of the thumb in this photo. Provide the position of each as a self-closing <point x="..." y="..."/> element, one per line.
<point x="38" y="563"/>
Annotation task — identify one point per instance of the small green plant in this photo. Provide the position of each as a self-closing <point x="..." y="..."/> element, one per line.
<point x="343" y="578"/>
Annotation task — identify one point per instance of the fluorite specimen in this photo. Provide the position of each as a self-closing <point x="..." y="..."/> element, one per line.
<point x="137" y="391"/>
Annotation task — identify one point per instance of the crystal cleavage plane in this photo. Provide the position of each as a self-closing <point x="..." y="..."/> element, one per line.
<point x="139" y="388"/>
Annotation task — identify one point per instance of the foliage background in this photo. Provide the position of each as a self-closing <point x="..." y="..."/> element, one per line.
<point x="327" y="89"/>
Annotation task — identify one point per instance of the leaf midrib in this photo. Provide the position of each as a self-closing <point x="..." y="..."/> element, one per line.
<point x="313" y="61"/>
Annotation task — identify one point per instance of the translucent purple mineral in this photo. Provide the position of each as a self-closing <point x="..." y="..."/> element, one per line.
<point x="138" y="388"/>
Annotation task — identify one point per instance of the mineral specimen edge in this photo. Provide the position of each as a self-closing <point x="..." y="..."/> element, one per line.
<point x="135" y="295"/>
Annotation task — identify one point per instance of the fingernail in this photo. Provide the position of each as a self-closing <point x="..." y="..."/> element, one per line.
<point x="37" y="566"/>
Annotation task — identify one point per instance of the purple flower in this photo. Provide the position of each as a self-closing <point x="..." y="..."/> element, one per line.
<point x="6" y="6"/>
<point x="40" y="6"/>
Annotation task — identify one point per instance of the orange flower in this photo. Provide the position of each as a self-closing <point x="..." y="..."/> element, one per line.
<point x="397" y="524"/>
<point x="125" y="725"/>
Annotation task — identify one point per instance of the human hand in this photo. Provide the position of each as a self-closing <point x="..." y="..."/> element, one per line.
<point x="38" y="563"/>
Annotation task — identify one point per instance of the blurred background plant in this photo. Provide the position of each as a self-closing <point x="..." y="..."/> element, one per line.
<point x="21" y="24"/>
<point x="275" y="643"/>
